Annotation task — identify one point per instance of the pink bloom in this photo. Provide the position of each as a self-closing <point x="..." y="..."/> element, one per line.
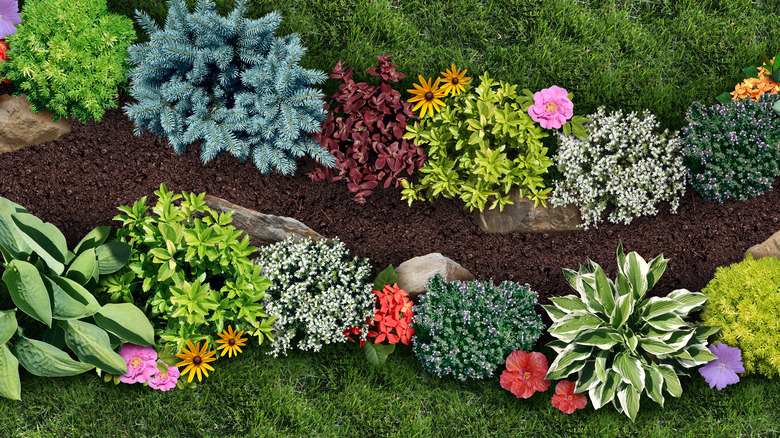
<point x="524" y="374"/>
<point x="165" y="381"/>
<point x="551" y="108"/>
<point x="141" y="363"/>
<point x="723" y="371"/>
<point x="9" y="15"/>
<point x="566" y="400"/>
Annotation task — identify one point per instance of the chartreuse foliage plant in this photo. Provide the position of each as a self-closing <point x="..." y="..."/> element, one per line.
<point x="189" y="270"/>
<point x="620" y="344"/>
<point x="228" y="81"/>
<point x="467" y="329"/>
<point x="482" y="144"/>
<point x="68" y="56"/>
<point x="51" y="303"/>
<point x="745" y="303"/>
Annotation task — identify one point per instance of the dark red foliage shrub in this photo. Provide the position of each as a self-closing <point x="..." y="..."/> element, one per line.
<point x="364" y="132"/>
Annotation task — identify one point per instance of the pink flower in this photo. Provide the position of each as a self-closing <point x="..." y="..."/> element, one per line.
<point x="551" y="108"/>
<point x="524" y="374"/>
<point x="165" y="381"/>
<point x="9" y="15"/>
<point x="566" y="400"/>
<point x="141" y="363"/>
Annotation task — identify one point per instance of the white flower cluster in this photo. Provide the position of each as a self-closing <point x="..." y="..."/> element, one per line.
<point x="318" y="292"/>
<point x="625" y="162"/>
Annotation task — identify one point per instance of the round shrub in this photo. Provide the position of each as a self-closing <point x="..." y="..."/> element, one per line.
<point x="732" y="150"/>
<point x="68" y="56"/>
<point x="745" y="303"/>
<point x="318" y="292"/>
<point x="625" y="162"/>
<point x="467" y="329"/>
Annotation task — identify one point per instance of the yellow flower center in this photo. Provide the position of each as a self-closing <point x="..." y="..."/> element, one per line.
<point x="163" y="375"/>
<point x="550" y="107"/>
<point x="429" y="96"/>
<point x="135" y="362"/>
<point x="527" y="375"/>
<point x="569" y="397"/>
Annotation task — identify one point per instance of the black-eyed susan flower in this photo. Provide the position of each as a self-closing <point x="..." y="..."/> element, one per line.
<point x="428" y="96"/>
<point x="231" y="342"/>
<point x="196" y="360"/>
<point x="454" y="80"/>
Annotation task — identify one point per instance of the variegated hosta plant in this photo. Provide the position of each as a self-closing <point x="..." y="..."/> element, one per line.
<point x="620" y="344"/>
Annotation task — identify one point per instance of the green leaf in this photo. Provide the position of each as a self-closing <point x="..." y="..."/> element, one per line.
<point x="689" y="301"/>
<point x="656" y="270"/>
<point x="387" y="277"/>
<point x="654" y="383"/>
<point x="587" y="378"/>
<point x="776" y="106"/>
<point x="671" y="381"/>
<point x="127" y="322"/>
<point x="569" y="361"/>
<point x="10" y="385"/>
<point x="724" y="97"/>
<point x="27" y="290"/>
<point x="622" y="311"/>
<point x="83" y="268"/>
<point x="601" y="364"/>
<point x="630" y="370"/>
<point x="46" y="360"/>
<point x="701" y="355"/>
<point x="8" y="325"/>
<point x="93" y="239"/>
<point x="91" y="344"/>
<point x="569" y="303"/>
<point x="70" y="300"/>
<point x="666" y="322"/>
<point x="44" y="239"/>
<point x="656" y="306"/>
<point x="655" y="347"/>
<point x="377" y="353"/>
<point x="112" y="256"/>
<point x="604" y="338"/>
<point x="750" y="72"/>
<point x="629" y="401"/>
<point x="604" y="290"/>
<point x="554" y="313"/>
<point x="573" y="323"/>
<point x="637" y="270"/>
<point x="605" y="392"/>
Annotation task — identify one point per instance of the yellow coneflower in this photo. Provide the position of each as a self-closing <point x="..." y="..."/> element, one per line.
<point x="196" y="359"/>
<point x="454" y="80"/>
<point x="428" y="96"/>
<point x="231" y="342"/>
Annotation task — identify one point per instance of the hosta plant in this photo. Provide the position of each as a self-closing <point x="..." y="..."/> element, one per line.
<point x="47" y="305"/>
<point x="619" y="344"/>
<point x="364" y="132"/>
<point x="68" y="56"/>
<point x="229" y="81"/>
<point x="189" y="270"/>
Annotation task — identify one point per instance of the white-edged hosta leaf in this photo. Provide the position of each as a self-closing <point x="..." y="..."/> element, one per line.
<point x="689" y="301"/>
<point x="604" y="290"/>
<point x="654" y="384"/>
<point x="636" y="272"/>
<point x="568" y="303"/>
<point x="622" y="311"/>
<point x="700" y="354"/>
<point x="601" y="364"/>
<point x="630" y="369"/>
<point x="553" y="312"/>
<point x="656" y="306"/>
<point x="667" y="322"/>
<point x="571" y="355"/>
<point x="573" y="278"/>
<point x="623" y="287"/>
<point x="574" y="323"/>
<point x="681" y="338"/>
<point x="655" y="347"/>
<point x="628" y="397"/>
<point x="671" y="381"/>
<point x="557" y="346"/>
<point x="604" y="393"/>
<point x="589" y="294"/>
<point x="587" y="378"/>
<point x="703" y="333"/>
<point x="655" y="270"/>
<point x="603" y="338"/>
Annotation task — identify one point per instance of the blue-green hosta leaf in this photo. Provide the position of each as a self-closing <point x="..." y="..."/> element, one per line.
<point x="630" y="369"/>
<point x="69" y="299"/>
<point x="568" y="303"/>
<point x="656" y="306"/>
<point x="656" y="270"/>
<point x="84" y="267"/>
<point x="667" y="322"/>
<point x="10" y="385"/>
<point x="44" y="239"/>
<point x="587" y="378"/>
<point x="622" y="311"/>
<point x="636" y="273"/>
<point x="570" y="360"/>
<point x="671" y="381"/>
<point x="91" y="344"/>
<point x="628" y="397"/>
<point x="689" y="301"/>
<point x="8" y="325"/>
<point x="126" y="321"/>
<point x="112" y="256"/>
<point x="604" y="288"/>
<point x="568" y="327"/>
<point x="27" y="290"/>
<point x="43" y="359"/>
<point x="93" y="239"/>
<point x="603" y="393"/>
<point x="603" y="338"/>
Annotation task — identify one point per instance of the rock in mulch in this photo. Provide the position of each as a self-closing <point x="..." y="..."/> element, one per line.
<point x="262" y="229"/>
<point x="414" y="273"/>
<point x="769" y="248"/>
<point x="20" y="127"/>
<point x="523" y="217"/>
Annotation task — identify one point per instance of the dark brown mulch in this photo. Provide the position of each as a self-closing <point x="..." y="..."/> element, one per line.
<point x="77" y="183"/>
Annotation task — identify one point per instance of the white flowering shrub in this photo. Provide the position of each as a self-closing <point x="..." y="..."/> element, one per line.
<point x="626" y="162"/>
<point x="318" y="292"/>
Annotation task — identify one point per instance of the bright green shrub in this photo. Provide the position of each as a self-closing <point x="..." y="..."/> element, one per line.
<point x="467" y="329"/>
<point x="68" y="56"/>
<point x="621" y="344"/>
<point x="481" y="144"/>
<point x="745" y="303"/>
<point x="191" y="275"/>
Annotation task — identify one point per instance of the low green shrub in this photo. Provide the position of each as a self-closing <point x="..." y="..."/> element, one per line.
<point x="626" y="161"/>
<point x="467" y="329"/>
<point x="68" y="56"/>
<point x="318" y="292"/>
<point x="191" y="275"/>
<point x="745" y="303"/>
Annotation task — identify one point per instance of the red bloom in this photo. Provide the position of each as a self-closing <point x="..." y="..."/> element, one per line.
<point x="393" y="317"/>
<point x="3" y="56"/>
<point x="566" y="400"/>
<point x="524" y="374"/>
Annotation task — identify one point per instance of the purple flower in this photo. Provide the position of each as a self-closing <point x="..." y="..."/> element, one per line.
<point x="141" y="363"/>
<point x="9" y="15"/>
<point x="551" y="108"/>
<point x="723" y="370"/>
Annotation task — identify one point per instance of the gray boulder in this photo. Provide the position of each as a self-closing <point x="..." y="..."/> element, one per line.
<point x="20" y="127"/>
<point x="414" y="273"/>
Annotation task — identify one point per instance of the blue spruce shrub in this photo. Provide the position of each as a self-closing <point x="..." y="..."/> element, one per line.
<point x="468" y="329"/>
<point x="228" y="81"/>
<point x="732" y="150"/>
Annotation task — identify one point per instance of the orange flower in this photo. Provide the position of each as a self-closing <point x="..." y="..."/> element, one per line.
<point x="566" y="400"/>
<point x="196" y="360"/>
<point x="393" y="318"/>
<point x="524" y="374"/>
<point x="753" y="88"/>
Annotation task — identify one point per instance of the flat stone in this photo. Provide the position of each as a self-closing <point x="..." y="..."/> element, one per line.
<point x="262" y="229"/>
<point x="521" y="216"/>
<point x="769" y="248"/>
<point x="414" y="273"/>
<point x="20" y="127"/>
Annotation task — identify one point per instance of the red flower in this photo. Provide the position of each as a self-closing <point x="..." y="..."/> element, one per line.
<point x="566" y="400"/>
<point x="393" y="317"/>
<point x="524" y="374"/>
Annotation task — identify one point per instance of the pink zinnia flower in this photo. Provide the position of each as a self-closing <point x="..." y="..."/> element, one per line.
<point x="524" y="374"/>
<point x="141" y="363"/>
<point x="723" y="371"/>
<point x="9" y="15"/>
<point x="165" y="381"/>
<point x="566" y="400"/>
<point x="551" y="108"/>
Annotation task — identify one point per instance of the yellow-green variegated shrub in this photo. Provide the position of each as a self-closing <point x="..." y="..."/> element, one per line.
<point x="745" y="303"/>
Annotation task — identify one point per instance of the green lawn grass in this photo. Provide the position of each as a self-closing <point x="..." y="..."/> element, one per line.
<point x="337" y="393"/>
